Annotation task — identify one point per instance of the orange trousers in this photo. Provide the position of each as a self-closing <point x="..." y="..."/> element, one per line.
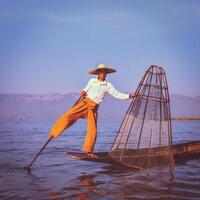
<point x="87" y="109"/>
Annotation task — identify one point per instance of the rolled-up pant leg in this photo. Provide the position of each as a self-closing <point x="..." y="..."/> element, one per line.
<point x="91" y="135"/>
<point x="68" y="118"/>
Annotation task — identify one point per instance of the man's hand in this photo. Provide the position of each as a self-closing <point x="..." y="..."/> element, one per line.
<point x="131" y="95"/>
<point x="82" y="93"/>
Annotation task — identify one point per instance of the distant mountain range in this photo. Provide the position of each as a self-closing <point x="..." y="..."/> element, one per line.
<point x="51" y="106"/>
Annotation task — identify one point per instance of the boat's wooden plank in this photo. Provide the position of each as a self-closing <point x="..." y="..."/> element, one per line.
<point x="181" y="152"/>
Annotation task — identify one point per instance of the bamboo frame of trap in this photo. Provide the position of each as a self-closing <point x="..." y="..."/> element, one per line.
<point x="144" y="138"/>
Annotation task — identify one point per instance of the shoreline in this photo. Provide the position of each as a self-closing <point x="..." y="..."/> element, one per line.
<point x="185" y="118"/>
<point x="100" y="119"/>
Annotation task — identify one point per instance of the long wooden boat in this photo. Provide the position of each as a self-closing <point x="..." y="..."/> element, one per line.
<point x="182" y="152"/>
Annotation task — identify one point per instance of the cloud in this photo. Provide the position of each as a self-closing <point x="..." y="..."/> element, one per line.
<point x="189" y="7"/>
<point x="81" y="18"/>
<point x="51" y="17"/>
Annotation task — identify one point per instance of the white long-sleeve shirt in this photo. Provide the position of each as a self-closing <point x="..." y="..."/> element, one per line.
<point x="96" y="90"/>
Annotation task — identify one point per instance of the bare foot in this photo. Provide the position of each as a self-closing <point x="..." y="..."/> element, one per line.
<point x="91" y="155"/>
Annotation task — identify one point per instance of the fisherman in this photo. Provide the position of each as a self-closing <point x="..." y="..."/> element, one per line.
<point x="92" y="95"/>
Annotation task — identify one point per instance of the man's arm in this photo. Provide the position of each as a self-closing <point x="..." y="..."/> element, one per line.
<point x="118" y="94"/>
<point x="85" y="89"/>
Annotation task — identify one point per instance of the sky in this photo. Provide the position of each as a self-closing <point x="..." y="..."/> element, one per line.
<point x="48" y="46"/>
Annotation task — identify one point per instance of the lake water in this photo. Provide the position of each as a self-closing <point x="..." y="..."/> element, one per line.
<point x="56" y="176"/>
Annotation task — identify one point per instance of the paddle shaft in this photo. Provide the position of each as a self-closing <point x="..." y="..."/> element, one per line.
<point x="29" y="166"/>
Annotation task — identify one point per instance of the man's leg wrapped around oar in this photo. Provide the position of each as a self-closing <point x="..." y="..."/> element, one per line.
<point x="87" y="109"/>
<point x="68" y="119"/>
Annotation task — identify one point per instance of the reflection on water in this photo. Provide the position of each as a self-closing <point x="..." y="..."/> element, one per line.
<point x="56" y="176"/>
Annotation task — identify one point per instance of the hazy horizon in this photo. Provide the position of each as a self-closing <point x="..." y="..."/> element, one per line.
<point x="74" y="92"/>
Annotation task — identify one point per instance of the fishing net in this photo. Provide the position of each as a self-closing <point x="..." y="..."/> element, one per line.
<point x="144" y="138"/>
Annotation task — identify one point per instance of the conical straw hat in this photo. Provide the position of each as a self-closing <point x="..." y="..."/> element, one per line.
<point x="100" y="67"/>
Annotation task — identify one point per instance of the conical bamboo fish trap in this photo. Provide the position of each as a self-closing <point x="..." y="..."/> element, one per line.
<point x="144" y="138"/>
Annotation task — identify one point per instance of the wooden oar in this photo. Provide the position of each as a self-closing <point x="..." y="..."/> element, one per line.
<point x="29" y="166"/>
